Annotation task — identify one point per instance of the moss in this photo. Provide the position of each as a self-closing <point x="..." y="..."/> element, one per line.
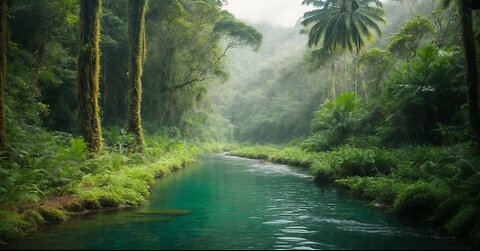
<point x="463" y="221"/>
<point x="33" y="217"/>
<point x="418" y="201"/>
<point x="88" y="74"/>
<point x="53" y="215"/>
<point x="90" y="204"/>
<point x="12" y="225"/>
<point x="108" y="202"/>
<point x="137" y="49"/>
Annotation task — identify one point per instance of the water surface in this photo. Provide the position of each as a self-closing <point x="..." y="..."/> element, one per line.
<point x="226" y="202"/>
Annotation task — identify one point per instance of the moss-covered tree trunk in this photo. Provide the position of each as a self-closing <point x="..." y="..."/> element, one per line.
<point x="136" y="40"/>
<point x="88" y="74"/>
<point x="472" y="71"/>
<point x="3" y="69"/>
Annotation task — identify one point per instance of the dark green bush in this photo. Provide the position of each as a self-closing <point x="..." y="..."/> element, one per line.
<point x="348" y="161"/>
<point x="419" y="200"/>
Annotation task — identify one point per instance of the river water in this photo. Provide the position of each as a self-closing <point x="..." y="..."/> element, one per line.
<point x="225" y="202"/>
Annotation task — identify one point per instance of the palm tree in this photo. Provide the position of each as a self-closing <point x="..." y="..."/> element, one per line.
<point x="343" y="24"/>
<point x="137" y="47"/>
<point x="88" y="74"/>
<point x="3" y="69"/>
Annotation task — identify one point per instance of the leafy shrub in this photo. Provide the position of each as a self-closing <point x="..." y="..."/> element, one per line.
<point x="424" y="96"/>
<point x="463" y="221"/>
<point x="348" y="161"/>
<point x="419" y="200"/>
<point x="382" y="189"/>
<point x="334" y="122"/>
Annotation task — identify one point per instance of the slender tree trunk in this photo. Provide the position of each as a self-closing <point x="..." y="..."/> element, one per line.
<point x="334" y="91"/>
<point x="345" y="88"/>
<point x="38" y="66"/>
<point x="364" y="85"/>
<point x="88" y="74"/>
<point x="136" y="40"/>
<point x="355" y="73"/>
<point x="104" y="80"/>
<point x="3" y="70"/>
<point x="472" y="71"/>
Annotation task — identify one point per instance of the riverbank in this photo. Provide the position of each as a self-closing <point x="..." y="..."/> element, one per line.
<point x="432" y="185"/>
<point x="222" y="203"/>
<point x="115" y="179"/>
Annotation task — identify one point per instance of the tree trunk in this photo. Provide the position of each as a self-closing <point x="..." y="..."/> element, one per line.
<point x="334" y="91"/>
<point x="3" y="70"/>
<point x="471" y="64"/>
<point x="355" y="72"/>
<point x="137" y="49"/>
<point x="88" y="74"/>
<point x="365" y="90"/>
<point x="345" y="88"/>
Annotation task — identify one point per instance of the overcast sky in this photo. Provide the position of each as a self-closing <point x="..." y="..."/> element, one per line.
<point x="283" y="13"/>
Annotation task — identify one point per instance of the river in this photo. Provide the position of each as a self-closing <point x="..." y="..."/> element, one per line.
<point x="225" y="202"/>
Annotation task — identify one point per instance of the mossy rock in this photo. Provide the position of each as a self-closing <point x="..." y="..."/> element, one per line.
<point x="33" y="217"/>
<point x="90" y="204"/>
<point x="463" y="221"/>
<point x="417" y="201"/>
<point x="74" y="206"/>
<point x="108" y="202"/>
<point x="51" y="214"/>
<point x="12" y="225"/>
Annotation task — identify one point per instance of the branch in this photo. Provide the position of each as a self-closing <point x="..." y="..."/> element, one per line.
<point x="190" y="82"/>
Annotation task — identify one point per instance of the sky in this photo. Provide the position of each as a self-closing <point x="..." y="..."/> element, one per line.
<point x="284" y="13"/>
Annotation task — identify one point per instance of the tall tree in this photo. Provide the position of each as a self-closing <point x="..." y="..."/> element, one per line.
<point x="342" y="23"/>
<point x="377" y="62"/>
<point x="137" y="48"/>
<point x="88" y="74"/>
<point x="405" y="43"/>
<point x="468" y="38"/>
<point x="3" y="69"/>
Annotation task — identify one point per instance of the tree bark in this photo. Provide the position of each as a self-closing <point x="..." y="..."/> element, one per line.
<point x="471" y="67"/>
<point x="4" y="38"/>
<point x="137" y="50"/>
<point x="334" y="91"/>
<point x="88" y="74"/>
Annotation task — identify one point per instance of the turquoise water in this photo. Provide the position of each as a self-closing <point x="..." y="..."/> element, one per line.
<point x="233" y="203"/>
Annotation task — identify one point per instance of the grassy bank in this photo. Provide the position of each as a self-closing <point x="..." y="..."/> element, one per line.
<point x="55" y="178"/>
<point x="433" y="185"/>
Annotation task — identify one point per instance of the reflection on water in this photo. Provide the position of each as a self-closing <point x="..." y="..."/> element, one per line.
<point x="227" y="202"/>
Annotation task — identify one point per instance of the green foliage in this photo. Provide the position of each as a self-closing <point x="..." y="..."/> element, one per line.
<point x="463" y="221"/>
<point x="51" y="214"/>
<point x="406" y="42"/>
<point x="334" y="122"/>
<point x="342" y="24"/>
<point x="11" y="225"/>
<point x="419" y="200"/>
<point x="236" y="32"/>
<point x="377" y="62"/>
<point x="347" y="162"/>
<point x="382" y="190"/>
<point x="423" y="95"/>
